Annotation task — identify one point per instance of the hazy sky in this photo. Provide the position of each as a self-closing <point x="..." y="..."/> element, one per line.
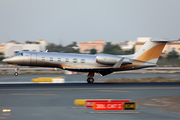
<point x="65" y="21"/>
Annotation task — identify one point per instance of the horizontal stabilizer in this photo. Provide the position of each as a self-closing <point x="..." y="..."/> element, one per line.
<point x="118" y="64"/>
<point x="163" y="40"/>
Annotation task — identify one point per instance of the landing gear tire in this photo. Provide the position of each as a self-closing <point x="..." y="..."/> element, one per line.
<point x="16" y="73"/>
<point x="90" y="80"/>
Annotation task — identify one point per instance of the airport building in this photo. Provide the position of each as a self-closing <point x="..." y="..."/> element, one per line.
<point x="12" y="47"/>
<point x="127" y="45"/>
<point x="2" y="47"/>
<point x="85" y="47"/>
<point x="42" y="42"/>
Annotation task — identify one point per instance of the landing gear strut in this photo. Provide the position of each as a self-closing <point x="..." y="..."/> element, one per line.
<point x="90" y="76"/>
<point x="16" y="72"/>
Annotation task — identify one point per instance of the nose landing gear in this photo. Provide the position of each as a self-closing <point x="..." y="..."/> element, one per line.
<point x="16" y="72"/>
<point x="90" y="76"/>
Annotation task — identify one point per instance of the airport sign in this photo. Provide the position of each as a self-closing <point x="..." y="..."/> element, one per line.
<point x="90" y="103"/>
<point x="108" y="106"/>
<point x="130" y="106"/>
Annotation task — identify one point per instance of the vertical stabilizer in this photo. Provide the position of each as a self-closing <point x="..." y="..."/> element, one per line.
<point x="150" y="51"/>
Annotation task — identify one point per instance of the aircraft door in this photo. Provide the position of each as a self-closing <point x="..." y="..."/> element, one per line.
<point x="27" y="58"/>
<point x="33" y="60"/>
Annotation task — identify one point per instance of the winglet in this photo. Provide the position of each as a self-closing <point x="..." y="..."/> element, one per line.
<point x="118" y="64"/>
<point x="46" y="50"/>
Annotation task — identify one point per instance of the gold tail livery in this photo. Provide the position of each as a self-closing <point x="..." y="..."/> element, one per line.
<point x="104" y="64"/>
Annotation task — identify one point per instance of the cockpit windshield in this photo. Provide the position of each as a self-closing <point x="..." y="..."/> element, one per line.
<point x="18" y="54"/>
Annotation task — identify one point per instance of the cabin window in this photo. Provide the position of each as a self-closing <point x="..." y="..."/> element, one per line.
<point x="67" y="59"/>
<point x="74" y="60"/>
<point x="17" y="54"/>
<point x="59" y="59"/>
<point x="43" y="58"/>
<point x="51" y="58"/>
<point x="82" y="60"/>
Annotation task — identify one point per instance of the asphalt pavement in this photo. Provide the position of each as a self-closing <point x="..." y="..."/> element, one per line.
<point x="77" y="78"/>
<point x="56" y="101"/>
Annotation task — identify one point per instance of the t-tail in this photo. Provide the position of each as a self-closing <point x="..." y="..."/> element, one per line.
<point x="151" y="50"/>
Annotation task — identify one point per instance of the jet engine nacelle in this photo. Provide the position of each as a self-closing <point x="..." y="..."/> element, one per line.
<point x="109" y="59"/>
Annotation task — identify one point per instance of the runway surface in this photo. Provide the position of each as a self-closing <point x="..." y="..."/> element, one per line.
<point x="55" y="101"/>
<point x="82" y="78"/>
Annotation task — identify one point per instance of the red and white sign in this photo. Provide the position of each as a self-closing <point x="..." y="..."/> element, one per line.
<point x="108" y="106"/>
<point x="90" y="103"/>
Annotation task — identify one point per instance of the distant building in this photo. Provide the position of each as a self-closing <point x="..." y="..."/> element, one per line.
<point x="127" y="45"/>
<point x="42" y="42"/>
<point x="85" y="47"/>
<point x="10" y="49"/>
<point x="174" y="46"/>
<point x="2" y="47"/>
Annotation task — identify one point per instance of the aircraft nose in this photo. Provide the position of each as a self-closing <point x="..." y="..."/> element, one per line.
<point x="5" y="60"/>
<point x="13" y="60"/>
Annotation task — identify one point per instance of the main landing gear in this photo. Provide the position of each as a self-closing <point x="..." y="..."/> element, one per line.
<point x="16" y="72"/>
<point x="90" y="80"/>
<point x="90" y="76"/>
